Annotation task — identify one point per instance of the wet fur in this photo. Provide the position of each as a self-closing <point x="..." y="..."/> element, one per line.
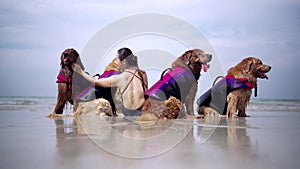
<point x="111" y="94"/>
<point x="238" y="100"/>
<point x="173" y="108"/>
<point x="66" y="90"/>
<point x="97" y="106"/>
<point x="155" y="109"/>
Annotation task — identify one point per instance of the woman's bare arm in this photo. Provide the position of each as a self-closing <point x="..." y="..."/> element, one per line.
<point x="103" y="82"/>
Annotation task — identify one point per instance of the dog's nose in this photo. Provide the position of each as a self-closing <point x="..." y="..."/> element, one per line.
<point x="209" y="56"/>
<point x="270" y="67"/>
<point x="66" y="55"/>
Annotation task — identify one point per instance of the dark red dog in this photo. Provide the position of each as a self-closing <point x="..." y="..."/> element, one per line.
<point x="69" y="82"/>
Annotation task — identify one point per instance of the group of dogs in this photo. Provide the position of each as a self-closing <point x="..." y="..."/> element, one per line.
<point x="229" y="97"/>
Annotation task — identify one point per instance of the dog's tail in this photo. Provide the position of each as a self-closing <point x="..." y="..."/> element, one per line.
<point x="154" y="109"/>
<point x="173" y="108"/>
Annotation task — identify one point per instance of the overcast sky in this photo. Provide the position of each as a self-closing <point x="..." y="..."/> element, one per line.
<point x="34" y="33"/>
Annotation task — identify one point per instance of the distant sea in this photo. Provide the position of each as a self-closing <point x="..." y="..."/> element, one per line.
<point x="46" y="104"/>
<point x="25" y="103"/>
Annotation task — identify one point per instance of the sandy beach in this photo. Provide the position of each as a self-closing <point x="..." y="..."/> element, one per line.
<point x="267" y="139"/>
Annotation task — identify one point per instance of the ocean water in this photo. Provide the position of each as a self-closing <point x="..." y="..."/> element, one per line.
<point x="274" y="105"/>
<point x="47" y="104"/>
<point x="21" y="103"/>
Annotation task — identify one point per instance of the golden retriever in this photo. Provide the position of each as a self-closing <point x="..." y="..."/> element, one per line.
<point x="177" y="88"/>
<point x="232" y="93"/>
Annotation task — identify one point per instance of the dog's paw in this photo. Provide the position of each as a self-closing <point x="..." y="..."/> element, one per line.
<point x="147" y="117"/>
<point x="210" y="112"/>
<point x="52" y="115"/>
<point x="198" y="116"/>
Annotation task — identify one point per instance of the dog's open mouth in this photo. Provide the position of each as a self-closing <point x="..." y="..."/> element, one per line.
<point x="262" y="75"/>
<point x="66" y="60"/>
<point x="205" y="67"/>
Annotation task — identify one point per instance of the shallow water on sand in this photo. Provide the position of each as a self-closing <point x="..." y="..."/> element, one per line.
<point x="264" y="140"/>
<point x="45" y="104"/>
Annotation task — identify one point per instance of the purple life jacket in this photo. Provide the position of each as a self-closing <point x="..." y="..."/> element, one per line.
<point x="176" y="82"/>
<point x="216" y="96"/>
<point x="236" y="83"/>
<point x="94" y="92"/>
<point x="89" y="92"/>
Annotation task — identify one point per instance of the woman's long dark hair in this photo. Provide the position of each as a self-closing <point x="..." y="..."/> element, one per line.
<point x="126" y="53"/>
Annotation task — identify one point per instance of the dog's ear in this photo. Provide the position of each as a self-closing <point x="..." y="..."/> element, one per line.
<point x="186" y="57"/>
<point x="78" y="62"/>
<point x="62" y="65"/>
<point x="248" y="65"/>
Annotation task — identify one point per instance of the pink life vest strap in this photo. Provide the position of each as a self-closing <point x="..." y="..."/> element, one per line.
<point x="62" y="79"/>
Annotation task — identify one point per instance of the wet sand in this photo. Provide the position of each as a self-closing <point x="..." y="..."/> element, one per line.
<point x="264" y="140"/>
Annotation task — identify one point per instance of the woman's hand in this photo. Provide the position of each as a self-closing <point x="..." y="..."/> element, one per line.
<point x="77" y="68"/>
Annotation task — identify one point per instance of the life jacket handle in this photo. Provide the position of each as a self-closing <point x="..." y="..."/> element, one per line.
<point x="97" y="75"/>
<point x="162" y="74"/>
<point x="216" y="79"/>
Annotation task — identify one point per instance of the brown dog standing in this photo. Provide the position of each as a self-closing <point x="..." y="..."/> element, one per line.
<point x="65" y="80"/>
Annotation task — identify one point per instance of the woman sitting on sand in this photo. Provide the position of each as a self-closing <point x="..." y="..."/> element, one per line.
<point x="132" y="82"/>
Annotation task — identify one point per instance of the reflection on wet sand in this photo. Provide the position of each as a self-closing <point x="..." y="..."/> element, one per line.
<point x="68" y="137"/>
<point x="229" y="133"/>
<point x="129" y="138"/>
<point x="200" y="141"/>
<point x="230" y="137"/>
<point x="216" y="129"/>
<point x="65" y="128"/>
<point x="125" y="136"/>
<point x="237" y="134"/>
<point x="266" y="140"/>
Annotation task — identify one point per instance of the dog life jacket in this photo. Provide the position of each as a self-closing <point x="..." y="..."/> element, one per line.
<point x="216" y="96"/>
<point x="62" y="79"/>
<point x="92" y="91"/>
<point x="176" y="82"/>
